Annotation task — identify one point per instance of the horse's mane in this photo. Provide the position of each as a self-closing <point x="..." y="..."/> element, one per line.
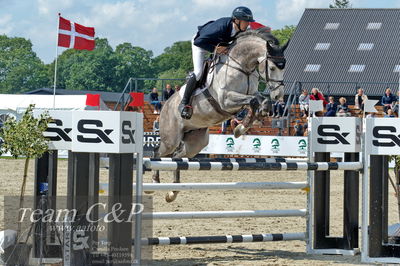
<point x="263" y="33"/>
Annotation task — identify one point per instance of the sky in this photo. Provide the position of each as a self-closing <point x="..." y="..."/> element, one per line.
<point x="151" y="24"/>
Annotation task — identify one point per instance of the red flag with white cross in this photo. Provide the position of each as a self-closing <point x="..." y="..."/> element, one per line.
<point x="74" y="35"/>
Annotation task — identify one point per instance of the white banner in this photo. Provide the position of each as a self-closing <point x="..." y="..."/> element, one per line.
<point x="257" y="145"/>
<point x="336" y="134"/>
<point x="382" y="136"/>
<point x="107" y="131"/>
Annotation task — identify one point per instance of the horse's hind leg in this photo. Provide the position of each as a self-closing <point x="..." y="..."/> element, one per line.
<point x="193" y="142"/>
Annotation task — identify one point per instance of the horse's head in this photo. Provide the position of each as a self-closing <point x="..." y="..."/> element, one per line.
<point x="274" y="69"/>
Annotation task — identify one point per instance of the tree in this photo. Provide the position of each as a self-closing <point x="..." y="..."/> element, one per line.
<point x="340" y="4"/>
<point x="20" y="69"/>
<point x="132" y="62"/>
<point x="178" y="56"/>
<point x="284" y="34"/>
<point x="24" y="138"/>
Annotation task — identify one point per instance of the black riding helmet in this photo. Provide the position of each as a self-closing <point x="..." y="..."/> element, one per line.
<point x="243" y="13"/>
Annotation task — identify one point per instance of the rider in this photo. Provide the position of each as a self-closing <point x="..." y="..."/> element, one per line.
<point x="212" y="35"/>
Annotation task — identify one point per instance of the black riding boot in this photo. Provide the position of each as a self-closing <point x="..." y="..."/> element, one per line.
<point x="184" y="107"/>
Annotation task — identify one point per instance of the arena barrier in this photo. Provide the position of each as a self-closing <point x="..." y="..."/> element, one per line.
<point x="326" y="135"/>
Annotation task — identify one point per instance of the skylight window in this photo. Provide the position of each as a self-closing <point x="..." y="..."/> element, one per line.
<point x="312" y="68"/>
<point x="331" y="26"/>
<point x="396" y="68"/>
<point x="365" y="46"/>
<point x="356" y="68"/>
<point x="322" y="46"/>
<point x="374" y="26"/>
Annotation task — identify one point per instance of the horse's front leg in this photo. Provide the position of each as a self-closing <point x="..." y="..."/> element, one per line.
<point x="248" y="120"/>
<point x="235" y="100"/>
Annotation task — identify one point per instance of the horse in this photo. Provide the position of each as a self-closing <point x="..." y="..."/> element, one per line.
<point x="254" y="55"/>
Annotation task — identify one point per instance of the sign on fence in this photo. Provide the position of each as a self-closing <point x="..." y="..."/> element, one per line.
<point x="336" y="134"/>
<point x="257" y="145"/>
<point x="382" y="136"/>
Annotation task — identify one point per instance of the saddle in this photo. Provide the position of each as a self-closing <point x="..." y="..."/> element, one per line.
<point x="206" y="67"/>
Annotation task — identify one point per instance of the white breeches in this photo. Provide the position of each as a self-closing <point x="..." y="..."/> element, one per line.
<point x="198" y="55"/>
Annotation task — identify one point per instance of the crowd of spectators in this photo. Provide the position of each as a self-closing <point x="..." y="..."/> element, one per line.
<point x="389" y="101"/>
<point x="340" y="108"/>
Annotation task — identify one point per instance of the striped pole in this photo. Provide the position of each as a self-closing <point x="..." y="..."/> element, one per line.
<point x="215" y="186"/>
<point x="223" y="239"/>
<point x="257" y="166"/>
<point x="238" y="160"/>
<point x="224" y="214"/>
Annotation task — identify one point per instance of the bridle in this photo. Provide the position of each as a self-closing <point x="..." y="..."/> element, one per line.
<point x="256" y="70"/>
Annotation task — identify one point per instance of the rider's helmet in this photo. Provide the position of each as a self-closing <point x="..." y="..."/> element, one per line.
<point x="243" y="13"/>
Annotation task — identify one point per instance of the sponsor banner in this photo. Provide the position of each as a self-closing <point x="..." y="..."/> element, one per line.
<point x="59" y="131"/>
<point x="336" y="134"/>
<point x="382" y="136"/>
<point x="107" y="131"/>
<point x="257" y="145"/>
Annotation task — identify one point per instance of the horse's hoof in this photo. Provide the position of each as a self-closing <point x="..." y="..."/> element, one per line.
<point x="171" y="196"/>
<point x="239" y="130"/>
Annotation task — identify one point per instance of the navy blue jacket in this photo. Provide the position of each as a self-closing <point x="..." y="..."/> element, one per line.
<point x="388" y="99"/>
<point x="213" y="33"/>
<point x="331" y="107"/>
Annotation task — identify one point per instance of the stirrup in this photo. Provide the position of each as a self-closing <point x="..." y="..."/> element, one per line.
<point x="187" y="112"/>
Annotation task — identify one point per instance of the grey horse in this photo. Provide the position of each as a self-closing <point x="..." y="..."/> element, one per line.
<point x="254" y="55"/>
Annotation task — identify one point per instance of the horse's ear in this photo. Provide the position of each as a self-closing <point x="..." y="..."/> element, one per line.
<point x="285" y="46"/>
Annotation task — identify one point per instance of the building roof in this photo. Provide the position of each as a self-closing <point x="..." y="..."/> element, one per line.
<point x="106" y="96"/>
<point x="347" y="47"/>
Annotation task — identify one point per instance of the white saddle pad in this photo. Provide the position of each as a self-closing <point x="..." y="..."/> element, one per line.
<point x="198" y="90"/>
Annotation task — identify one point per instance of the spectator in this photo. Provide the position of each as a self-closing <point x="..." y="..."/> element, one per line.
<point x="299" y="129"/>
<point x="278" y="108"/>
<point x="316" y="95"/>
<point x="387" y="100"/>
<point x="389" y="113"/>
<point x="331" y="107"/>
<point x="360" y="99"/>
<point x="396" y="104"/>
<point x="343" y="109"/>
<point x="154" y="101"/>
<point x="304" y="101"/>
<point x="177" y="88"/>
<point x="238" y="119"/>
<point x="168" y="92"/>
<point x="156" y="124"/>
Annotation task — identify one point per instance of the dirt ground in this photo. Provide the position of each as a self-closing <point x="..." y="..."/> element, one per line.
<point x="267" y="253"/>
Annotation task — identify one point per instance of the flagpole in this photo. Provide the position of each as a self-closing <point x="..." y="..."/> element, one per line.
<point x="55" y="65"/>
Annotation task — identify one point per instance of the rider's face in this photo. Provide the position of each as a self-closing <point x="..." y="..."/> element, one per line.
<point x="243" y="25"/>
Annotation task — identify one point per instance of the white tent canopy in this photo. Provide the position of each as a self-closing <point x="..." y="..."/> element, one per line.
<point x="15" y="104"/>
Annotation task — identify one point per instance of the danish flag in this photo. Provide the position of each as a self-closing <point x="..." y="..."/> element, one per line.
<point x="74" y="35"/>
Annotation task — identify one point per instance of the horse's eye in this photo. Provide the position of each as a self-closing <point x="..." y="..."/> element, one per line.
<point x="272" y="68"/>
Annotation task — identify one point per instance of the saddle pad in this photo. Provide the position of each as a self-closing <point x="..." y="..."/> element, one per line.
<point x="198" y="90"/>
